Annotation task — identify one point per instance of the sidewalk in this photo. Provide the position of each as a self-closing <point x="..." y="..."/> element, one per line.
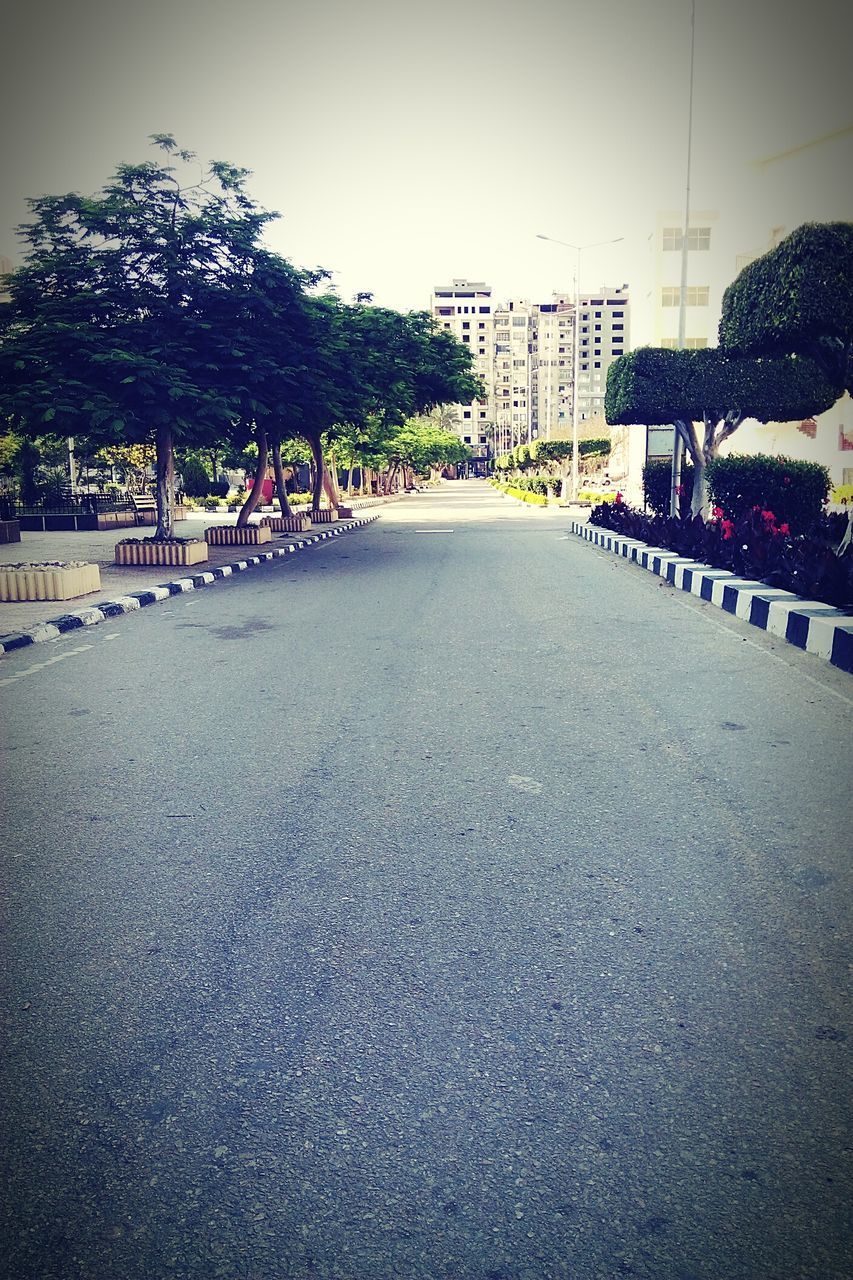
<point x="119" y="581"/>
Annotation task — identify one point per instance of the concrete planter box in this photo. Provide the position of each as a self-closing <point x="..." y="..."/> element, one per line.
<point x="323" y="515"/>
<point x="228" y="535"/>
<point x="288" y="524"/>
<point x="135" y="551"/>
<point x="345" y="513"/>
<point x="10" y="531"/>
<point x="49" y="581"/>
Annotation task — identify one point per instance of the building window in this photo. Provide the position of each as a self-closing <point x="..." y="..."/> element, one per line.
<point x="697" y="296"/>
<point x="466" y="324"/>
<point x="618" y="328"/>
<point x="596" y="364"/>
<point x="690" y="344"/>
<point x="598" y="326"/>
<point x="697" y="238"/>
<point x="466" y="439"/>
<point x="484" y="311"/>
<point x="617" y="315"/>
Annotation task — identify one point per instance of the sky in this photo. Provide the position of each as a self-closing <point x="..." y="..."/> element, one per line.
<point x="407" y="144"/>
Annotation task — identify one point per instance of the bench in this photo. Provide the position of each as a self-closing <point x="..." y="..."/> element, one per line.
<point x="144" y="506"/>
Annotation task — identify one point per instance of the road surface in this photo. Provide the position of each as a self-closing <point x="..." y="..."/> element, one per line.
<point x="451" y="901"/>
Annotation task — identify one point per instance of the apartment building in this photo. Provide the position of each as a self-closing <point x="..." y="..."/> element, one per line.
<point x="524" y="353"/>
<point x="464" y="307"/>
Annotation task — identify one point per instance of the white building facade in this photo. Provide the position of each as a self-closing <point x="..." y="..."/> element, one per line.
<point x="524" y="352"/>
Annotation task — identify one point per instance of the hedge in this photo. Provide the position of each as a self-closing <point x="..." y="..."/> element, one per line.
<point x="657" y="486"/>
<point x="795" y="492"/>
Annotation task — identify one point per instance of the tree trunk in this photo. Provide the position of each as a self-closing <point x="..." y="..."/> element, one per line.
<point x="318" y="472"/>
<point x="165" y="471"/>
<point x="280" y="483"/>
<point x="255" y="494"/>
<point x="330" y="487"/>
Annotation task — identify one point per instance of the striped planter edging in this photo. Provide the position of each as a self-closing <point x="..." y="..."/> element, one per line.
<point x="153" y="595"/>
<point x="227" y="535"/>
<point x="287" y="524"/>
<point x="818" y="628"/>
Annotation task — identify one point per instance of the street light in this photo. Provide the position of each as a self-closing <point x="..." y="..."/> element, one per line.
<point x="578" y="248"/>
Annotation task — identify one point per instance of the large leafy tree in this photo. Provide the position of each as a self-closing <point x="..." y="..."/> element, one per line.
<point x="109" y="332"/>
<point x="709" y="387"/>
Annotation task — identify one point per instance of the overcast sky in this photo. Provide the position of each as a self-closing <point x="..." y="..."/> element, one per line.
<point x="405" y="144"/>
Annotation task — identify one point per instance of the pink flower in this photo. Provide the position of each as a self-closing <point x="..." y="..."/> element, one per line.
<point x="717" y="513"/>
<point x="728" y="529"/>
<point x="768" y="516"/>
<point x="784" y="528"/>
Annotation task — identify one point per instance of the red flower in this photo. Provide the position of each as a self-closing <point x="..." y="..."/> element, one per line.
<point x="767" y="515"/>
<point x="784" y="528"/>
<point x="728" y="529"/>
<point x="717" y="513"/>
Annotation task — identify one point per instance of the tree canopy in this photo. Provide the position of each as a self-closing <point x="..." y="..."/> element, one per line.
<point x="797" y="298"/>
<point x="152" y="311"/>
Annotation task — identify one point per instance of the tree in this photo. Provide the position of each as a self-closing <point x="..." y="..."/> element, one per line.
<point x="798" y="298"/>
<point x="657" y="386"/>
<point x="375" y="368"/>
<point x="108" y="332"/>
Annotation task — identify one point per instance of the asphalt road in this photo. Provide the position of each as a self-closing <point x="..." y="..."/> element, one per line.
<point x="448" y="902"/>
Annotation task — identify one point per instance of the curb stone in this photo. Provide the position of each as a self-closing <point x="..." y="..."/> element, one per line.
<point x="93" y="614"/>
<point x="819" y="628"/>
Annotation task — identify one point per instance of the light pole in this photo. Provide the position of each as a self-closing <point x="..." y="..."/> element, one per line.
<point x="578" y="248"/>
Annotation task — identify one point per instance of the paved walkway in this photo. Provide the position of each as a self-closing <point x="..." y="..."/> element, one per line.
<point x="98" y="547"/>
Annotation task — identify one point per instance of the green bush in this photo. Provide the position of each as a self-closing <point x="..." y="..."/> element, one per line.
<point x="197" y="483"/>
<point x="210" y="502"/>
<point x="657" y="485"/>
<point x="794" y="491"/>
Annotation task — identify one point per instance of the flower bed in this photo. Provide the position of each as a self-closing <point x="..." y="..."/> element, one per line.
<point x="180" y="551"/>
<point x="754" y="546"/>
<point x="298" y="523"/>
<point x="237" y="535"/>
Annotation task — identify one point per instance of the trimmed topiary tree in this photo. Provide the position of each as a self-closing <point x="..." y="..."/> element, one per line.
<point x="797" y="298"/>
<point x="654" y="386"/>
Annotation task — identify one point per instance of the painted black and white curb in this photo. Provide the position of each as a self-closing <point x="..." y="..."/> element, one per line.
<point x="818" y="628"/>
<point x="139" y="599"/>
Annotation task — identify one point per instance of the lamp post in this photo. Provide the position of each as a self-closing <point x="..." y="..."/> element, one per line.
<point x="578" y="248"/>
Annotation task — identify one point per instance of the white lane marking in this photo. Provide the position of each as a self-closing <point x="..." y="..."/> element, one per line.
<point x="114" y="635"/>
<point x="40" y="666"/>
<point x="521" y="783"/>
<point x="434" y="531"/>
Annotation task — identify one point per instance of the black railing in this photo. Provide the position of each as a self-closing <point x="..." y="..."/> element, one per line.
<point x="84" y="504"/>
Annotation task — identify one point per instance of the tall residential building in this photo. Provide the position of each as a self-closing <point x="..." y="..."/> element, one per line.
<point x="524" y="352"/>
<point x="464" y="307"/>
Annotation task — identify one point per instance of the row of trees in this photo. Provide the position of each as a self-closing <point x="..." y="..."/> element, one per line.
<point x="152" y="312"/>
<point x="785" y="352"/>
<point x="550" y="459"/>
